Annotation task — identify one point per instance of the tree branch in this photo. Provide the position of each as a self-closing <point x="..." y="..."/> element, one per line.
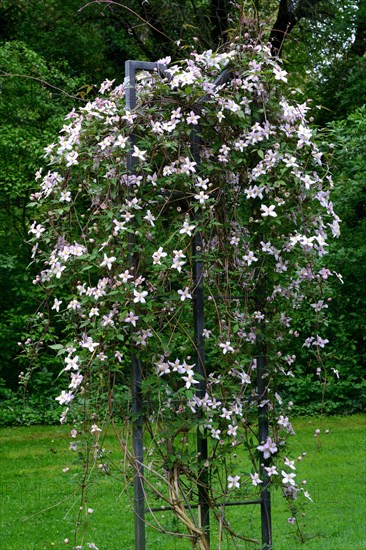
<point x="112" y="2"/>
<point x="287" y="18"/>
<point x="219" y="19"/>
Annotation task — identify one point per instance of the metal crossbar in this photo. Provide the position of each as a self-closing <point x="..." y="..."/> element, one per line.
<point x="198" y="321"/>
<point x="224" y="504"/>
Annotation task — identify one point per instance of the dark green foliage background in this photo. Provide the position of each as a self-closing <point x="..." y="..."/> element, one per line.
<point x="53" y="57"/>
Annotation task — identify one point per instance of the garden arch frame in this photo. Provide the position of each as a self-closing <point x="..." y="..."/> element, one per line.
<point x="131" y="67"/>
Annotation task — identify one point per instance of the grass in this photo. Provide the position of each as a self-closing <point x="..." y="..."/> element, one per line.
<point x="39" y="503"/>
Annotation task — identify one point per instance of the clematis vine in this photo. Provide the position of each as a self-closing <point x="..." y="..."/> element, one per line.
<point x="117" y="249"/>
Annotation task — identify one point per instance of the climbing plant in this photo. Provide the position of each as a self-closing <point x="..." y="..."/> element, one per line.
<point x="114" y="239"/>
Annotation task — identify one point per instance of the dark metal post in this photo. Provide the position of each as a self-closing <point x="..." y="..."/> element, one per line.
<point x="138" y="451"/>
<point x="266" y="524"/>
<point x="263" y="434"/>
<point x="198" y="318"/>
<point x="136" y="367"/>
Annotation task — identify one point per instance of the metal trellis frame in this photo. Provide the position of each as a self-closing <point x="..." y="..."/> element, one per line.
<point x="131" y="67"/>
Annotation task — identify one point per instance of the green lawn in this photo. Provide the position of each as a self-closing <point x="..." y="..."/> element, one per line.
<point x="39" y="504"/>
